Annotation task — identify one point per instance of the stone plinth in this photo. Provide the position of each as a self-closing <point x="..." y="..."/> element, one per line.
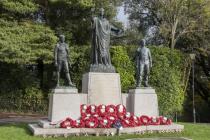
<point x="102" y="88"/>
<point x="66" y="90"/>
<point x="144" y="101"/>
<point x="63" y="105"/>
<point x="143" y="90"/>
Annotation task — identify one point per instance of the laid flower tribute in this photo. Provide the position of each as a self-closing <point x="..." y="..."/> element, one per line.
<point x="111" y="116"/>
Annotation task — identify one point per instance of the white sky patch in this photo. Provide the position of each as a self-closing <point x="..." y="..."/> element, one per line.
<point x="122" y="17"/>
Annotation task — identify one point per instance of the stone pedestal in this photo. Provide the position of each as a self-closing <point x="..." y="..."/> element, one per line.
<point x="144" y="102"/>
<point x="65" y="103"/>
<point x="102" y="88"/>
<point x="66" y="90"/>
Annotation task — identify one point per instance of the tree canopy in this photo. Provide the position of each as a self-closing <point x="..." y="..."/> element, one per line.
<point x="29" y="27"/>
<point x="25" y="42"/>
<point x="21" y="7"/>
<point x="174" y="20"/>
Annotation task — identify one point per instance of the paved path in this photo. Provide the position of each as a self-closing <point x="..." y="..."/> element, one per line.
<point x="20" y="118"/>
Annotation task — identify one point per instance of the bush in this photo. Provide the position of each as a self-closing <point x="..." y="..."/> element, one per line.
<point x="167" y="74"/>
<point x="166" y="77"/>
<point x="124" y="66"/>
<point x="80" y="61"/>
<point x="28" y="100"/>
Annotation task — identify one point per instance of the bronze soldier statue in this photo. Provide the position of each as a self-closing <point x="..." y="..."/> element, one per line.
<point x="61" y="55"/>
<point x="144" y="63"/>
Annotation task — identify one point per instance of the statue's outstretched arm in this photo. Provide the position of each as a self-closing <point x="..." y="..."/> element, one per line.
<point x="117" y="32"/>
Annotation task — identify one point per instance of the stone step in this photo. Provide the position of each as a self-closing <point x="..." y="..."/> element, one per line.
<point x="39" y="131"/>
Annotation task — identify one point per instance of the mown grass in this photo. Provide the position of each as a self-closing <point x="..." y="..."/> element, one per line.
<point x="21" y="132"/>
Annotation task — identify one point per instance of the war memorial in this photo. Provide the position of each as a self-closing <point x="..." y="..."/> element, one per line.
<point x="101" y="108"/>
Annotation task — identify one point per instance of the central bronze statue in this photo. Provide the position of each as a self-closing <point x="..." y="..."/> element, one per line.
<point x="101" y="32"/>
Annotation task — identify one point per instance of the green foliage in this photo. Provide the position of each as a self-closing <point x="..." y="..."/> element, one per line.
<point x="80" y="3"/>
<point x="21" y="7"/>
<point x="29" y="100"/>
<point x="25" y="42"/>
<point x="166" y="77"/>
<point x="124" y="66"/>
<point x="176" y="21"/>
<point x="20" y="89"/>
<point x="166" y="74"/>
<point x="70" y="17"/>
<point x="80" y="61"/>
<point x="73" y="17"/>
<point x="15" y="78"/>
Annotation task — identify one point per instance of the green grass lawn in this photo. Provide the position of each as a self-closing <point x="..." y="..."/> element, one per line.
<point x="21" y="132"/>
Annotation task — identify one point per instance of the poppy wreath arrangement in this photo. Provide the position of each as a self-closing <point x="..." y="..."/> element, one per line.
<point x="109" y="116"/>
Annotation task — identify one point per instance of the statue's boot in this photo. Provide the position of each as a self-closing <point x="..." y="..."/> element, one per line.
<point x="146" y="81"/>
<point x="139" y="81"/>
<point x="69" y="80"/>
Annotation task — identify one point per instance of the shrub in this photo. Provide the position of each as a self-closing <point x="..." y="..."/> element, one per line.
<point x="28" y="100"/>
<point x="166" y="77"/>
<point x="124" y="66"/>
<point x="167" y="74"/>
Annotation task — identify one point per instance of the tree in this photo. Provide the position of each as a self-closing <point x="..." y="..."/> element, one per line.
<point x="24" y="43"/>
<point x="173" y="19"/>
<point x="73" y="17"/>
<point x="22" y="40"/>
<point x="20" y="7"/>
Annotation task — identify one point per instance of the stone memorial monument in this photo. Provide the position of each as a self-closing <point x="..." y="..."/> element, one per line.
<point x="100" y="86"/>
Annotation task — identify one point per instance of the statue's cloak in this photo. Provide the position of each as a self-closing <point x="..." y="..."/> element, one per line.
<point x="101" y="41"/>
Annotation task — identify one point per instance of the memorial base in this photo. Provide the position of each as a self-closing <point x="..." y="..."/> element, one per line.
<point x="144" y="102"/>
<point x="102" y="88"/>
<point x="99" y="88"/>
<point x="64" y="103"/>
<point x="55" y="132"/>
<point x="66" y="90"/>
<point x="102" y="68"/>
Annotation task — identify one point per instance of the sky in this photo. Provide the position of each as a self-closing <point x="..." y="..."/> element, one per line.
<point x="121" y="16"/>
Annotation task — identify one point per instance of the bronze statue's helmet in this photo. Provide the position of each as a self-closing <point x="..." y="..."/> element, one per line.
<point x="142" y="43"/>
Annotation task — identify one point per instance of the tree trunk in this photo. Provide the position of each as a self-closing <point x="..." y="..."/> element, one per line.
<point x="41" y="72"/>
<point x="173" y="34"/>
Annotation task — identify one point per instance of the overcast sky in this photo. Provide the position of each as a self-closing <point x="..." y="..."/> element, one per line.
<point x="122" y="17"/>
